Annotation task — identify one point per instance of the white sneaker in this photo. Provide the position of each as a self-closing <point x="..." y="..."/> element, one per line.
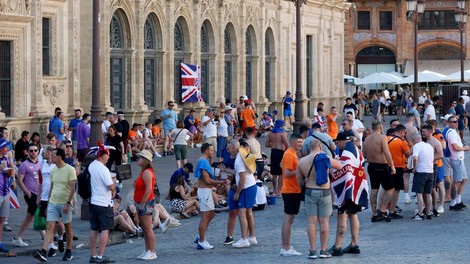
<point x="157" y="155"/>
<point x="174" y="223"/>
<point x="440" y="209"/>
<point x="242" y="243"/>
<point x="149" y="255"/>
<point x="141" y="255"/>
<point x="407" y="201"/>
<point x="290" y="253"/>
<point x="164" y="225"/>
<point x="204" y="245"/>
<point x="252" y="240"/>
<point x="19" y="242"/>
<point x="198" y="145"/>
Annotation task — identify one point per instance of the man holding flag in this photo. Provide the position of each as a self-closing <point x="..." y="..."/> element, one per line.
<point x="351" y="191"/>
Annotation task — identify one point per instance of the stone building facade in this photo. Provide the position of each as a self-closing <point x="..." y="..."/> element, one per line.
<point x="378" y="34"/>
<point x="243" y="47"/>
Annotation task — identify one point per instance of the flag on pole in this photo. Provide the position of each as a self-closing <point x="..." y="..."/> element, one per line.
<point x="350" y="182"/>
<point x="14" y="203"/>
<point x="191" y="83"/>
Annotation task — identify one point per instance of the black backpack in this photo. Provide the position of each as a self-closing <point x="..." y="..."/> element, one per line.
<point x="84" y="184"/>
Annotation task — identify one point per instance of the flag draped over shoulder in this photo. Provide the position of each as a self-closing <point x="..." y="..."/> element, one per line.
<point x="350" y="182"/>
<point x="191" y="83"/>
<point x="14" y="203"/>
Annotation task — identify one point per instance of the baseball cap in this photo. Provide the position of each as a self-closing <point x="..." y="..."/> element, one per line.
<point x="464" y="92"/>
<point x="189" y="166"/>
<point x="342" y="136"/>
<point x="3" y="143"/>
<point x="120" y="113"/>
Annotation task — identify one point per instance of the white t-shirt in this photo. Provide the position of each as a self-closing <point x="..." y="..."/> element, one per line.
<point x="431" y="112"/>
<point x="146" y="133"/>
<point x="240" y="167"/>
<point x="454" y="138"/>
<point x="425" y="154"/>
<point x="105" y="125"/>
<point x="465" y="98"/>
<point x="181" y="139"/>
<point x="357" y="124"/>
<point x="210" y="130"/>
<point x="222" y="128"/>
<point x="100" y="178"/>
<point x="46" y="180"/>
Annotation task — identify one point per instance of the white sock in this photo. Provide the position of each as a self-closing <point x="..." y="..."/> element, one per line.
<point x="458" y="198"/>
<point x="99" y="257"/>
<point x="407" y="196"/>
<point x="453" y="202"/>
<point x="51" y="245"/>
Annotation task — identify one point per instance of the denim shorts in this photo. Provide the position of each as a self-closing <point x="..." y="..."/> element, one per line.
<point x="54" y="212"/>
<point x="147" y="209"/>
<point x="318" y="202"/>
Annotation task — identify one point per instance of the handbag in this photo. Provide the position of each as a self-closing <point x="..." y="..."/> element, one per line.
<point x="39" y="222"/>
<point x="177" y="134"/>
<point x="123" y="172"/>
<point x="302" y="191"/>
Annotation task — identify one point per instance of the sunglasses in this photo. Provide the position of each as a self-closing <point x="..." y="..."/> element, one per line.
<point x="343" y="124"/>
<point x="454" y="122"/>
<point x="68" y="146"/>
<point x="33" y="150"/>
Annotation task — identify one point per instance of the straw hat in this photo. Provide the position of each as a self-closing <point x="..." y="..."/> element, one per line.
<point x="145" y="154"/>
<point x="249" y="159"/>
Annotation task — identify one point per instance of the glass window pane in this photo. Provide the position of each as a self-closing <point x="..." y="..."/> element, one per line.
<point x="363" y="20"/>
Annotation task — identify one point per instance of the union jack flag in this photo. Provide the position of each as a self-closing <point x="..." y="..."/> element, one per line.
<point x="350" y="182"/>
<point x="14" y="203"/>
<point x="191" y="83"/>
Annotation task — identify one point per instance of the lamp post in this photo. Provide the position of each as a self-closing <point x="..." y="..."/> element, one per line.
<point x="95" y="130"/>
<point x="299" y="106"/>
<point x="415" y="8"/>
<point x="461" y="18"/>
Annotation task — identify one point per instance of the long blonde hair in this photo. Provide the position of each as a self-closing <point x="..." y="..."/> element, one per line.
<point x="146" y="164"/>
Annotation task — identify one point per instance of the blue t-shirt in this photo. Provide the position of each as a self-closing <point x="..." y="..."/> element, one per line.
<point x="459" y="110"/>
<point x="169" y="123"/>
<point x="177" y="173"/>
<point x="56" y="125"/>
<point x="187" y="124"/>
<point x="203" y="164"/>
<point x="416" y="114"/>
<point x="287" y="102"/>
<point x="74" y="123"/>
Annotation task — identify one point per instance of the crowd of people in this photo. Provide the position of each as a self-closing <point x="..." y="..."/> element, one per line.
<point x="303" y="166"/>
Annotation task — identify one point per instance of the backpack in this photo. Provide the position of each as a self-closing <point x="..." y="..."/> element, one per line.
<point x="84" y="184"/>
<point x="447" y="149"/>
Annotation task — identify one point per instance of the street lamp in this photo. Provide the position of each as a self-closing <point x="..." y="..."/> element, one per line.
<point x="461" y="18"/>
<point x="95" y="123"/>
<point x="415" y="8"/>
<point x="299" y="106"/>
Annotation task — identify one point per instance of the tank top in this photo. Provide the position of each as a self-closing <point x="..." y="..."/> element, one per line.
<point x="139" y="187"/>
<point x="174" y="194"/>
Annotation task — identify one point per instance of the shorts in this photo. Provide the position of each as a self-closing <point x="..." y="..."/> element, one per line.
<point x="221" y="146"/>
<point x="399" y="182"/>
<point x="43" y="208"/>
<point x="5" y="206"/>
<point x="458" y="167"/>
<point x="409" y="163"/>
<point x="167" y="131"/>
<point x="54" y="212"/>
<point x="379" y="174"/>
<point x="212" y="141"/>
<point x="447" y="168"/>
<point x="81" y="153"/>
<point x="287" y="112"/>
<point x="434" y="175"/>
<point x="349" y="208"/>
<point x="181" y="152"/>
<point x="422" y="182"/>
<point x="32" y="204"/>
<point x="206" y="200"/>
<point x="318" y="202"/>
<point x="259" y="168"/>
<point x="101" y="217"/>
<point x="147" y="209"/>
<point x="232" y="205"/>
<point x="178" y="205"/>
<point x="461" y="126"/>
<point x="247" y="197"/>
<point x="74" y="146"/>
<point x="440" y="174"/>
<point x="291" y="203"/>
<point x="276" y="158"/>
<point x="399" y="102"/>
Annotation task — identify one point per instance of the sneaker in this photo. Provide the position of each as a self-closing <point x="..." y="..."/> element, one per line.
<point x="313" y="254"/>
<point x="252" y="240"/>
<point x="61" y="245"/>
<point x="335" y="251"/>
<point x="174" y="223"/>
<point x="6" y="227"/>
<point x="149" y="255"/>
<point x="196" y="240"/>
<point x="325" y="254"/>
<point x="440" y="209"/>
<point x="92" y="259"/>
<point x="291" y="252"/>
<point x="19" y="242"/>
<point x="395" y="215"/>
<point x="204" y="245"/>
<point x="242" y="243"/>
<point x="385" y="216"/>
<point x="417" y="217"/>
<point x="398" y="209"/>
<point x="141" y="255"/>
<point x="52" y="253"/>
<point x="68" y="255"/>
<point x="462" y="205"/>
<point x="3" y="248"/>
<point x="157" y="155"/>
<point x="429" y="216"/>
<point x="164" y="225"/>
<point x="352" y="249"/>
<point x="407" y="201"/>
<point x="228" y="240"/>
<point x="198" y="145"/>
<point x="40" y="255"/>
<point x="456" y="208"/>
<point x="376" y="218"/>
<point x="435" y="212"/>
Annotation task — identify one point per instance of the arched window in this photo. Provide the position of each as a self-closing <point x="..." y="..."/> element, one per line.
<point x="269" y="60"/>
<point x="179" y="57"/>
<point x="228" y="65"/>
<point x="117" y="63"/>
<point x="205" y="63"/>
<point x="150" y="65"/>
<point x="249" y="66"/>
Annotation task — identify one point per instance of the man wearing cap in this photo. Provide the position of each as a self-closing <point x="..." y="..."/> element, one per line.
<point x="103" y="189"/>
<point x="349" y="106"/>
<point x="265" y="124"/>
<point x="169" y="118"/>
<point x="287" y="101"/>
<point x="247" y="117"/>
<point x="381" y="170"/>
<point x="185" y="171"/>
<point x="277" y="141"/>
<point x="72" y="127"/>
<point x="429" y="112"/>
<point x="325" y="139"/>
<point x="245" y="195"/>
<point x="7" y="173"/>
<point x="465" y="96"/>
<point x="63" y="181"/>
<point x="209" y="128"/>
<point x="189" y="119"/>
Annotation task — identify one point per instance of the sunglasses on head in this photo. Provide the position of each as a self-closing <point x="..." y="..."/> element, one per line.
<point x="33" y="150"/>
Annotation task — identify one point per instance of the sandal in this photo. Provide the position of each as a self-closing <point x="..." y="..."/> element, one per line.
<point x="186" y="215"/>
<point x="195" y="213"/>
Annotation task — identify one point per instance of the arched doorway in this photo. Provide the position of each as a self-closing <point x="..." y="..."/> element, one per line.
<point x="181" y="49"/>
<point x="251" y="70"/>
<point x="230" y="62"/>
<point x="375" y="59"/>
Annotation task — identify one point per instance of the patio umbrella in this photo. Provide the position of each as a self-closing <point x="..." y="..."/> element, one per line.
<point x="424" y="76"/>
<point x="349" y="77"/>
<point x="379" y="77"/>
<point x="457" y="75"/>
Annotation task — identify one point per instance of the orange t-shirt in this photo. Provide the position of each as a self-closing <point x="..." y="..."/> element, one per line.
<point x="441" y="139"/>
<point x="132" y="134"/>
<point x="156" y="130"/>
<point x="247" y="116"/>
<point x="289" y="161"/>
<point x="332" y="126"/>
<point x="397" y="147"/>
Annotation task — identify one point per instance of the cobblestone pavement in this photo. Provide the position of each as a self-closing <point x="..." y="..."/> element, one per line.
<point x="441" y="240"/>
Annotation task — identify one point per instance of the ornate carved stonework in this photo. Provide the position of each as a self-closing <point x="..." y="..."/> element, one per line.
<point x="53" y="91"/>
<point x="15" y="7"/>
<point x="251" y="14"/>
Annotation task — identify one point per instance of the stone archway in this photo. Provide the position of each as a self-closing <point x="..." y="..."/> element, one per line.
<point x="439" y="52"/>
